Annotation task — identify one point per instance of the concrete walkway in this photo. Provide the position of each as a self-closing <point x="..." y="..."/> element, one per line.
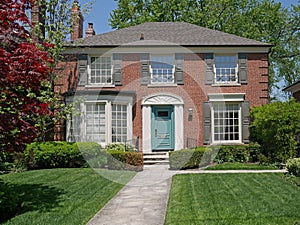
<point x="143" y="200"/>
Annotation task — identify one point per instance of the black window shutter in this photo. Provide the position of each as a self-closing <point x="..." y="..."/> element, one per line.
<point x="179" y="72"/>
<point x="117" y="69"/>
<point x="82" y="69"/>
<point x="243" y="68"/>
<point x="145" y="71"/>
<point x="209" y="68"/>
<point x="245" y="122"/>
<point x="206" y="123"/>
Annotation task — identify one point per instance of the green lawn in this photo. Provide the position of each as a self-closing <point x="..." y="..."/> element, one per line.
<point x="62" y="196"/>
<point x="240" y="166"/>
<point x="232" y="199"/>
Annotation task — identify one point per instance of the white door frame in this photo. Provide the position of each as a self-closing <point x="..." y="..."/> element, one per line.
<point x="163" y="99"/>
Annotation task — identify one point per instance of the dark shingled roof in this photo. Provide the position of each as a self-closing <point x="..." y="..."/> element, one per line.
<point x="168" y="33"/>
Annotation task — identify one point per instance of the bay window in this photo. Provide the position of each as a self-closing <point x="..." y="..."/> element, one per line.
<point x="102" y="122"/>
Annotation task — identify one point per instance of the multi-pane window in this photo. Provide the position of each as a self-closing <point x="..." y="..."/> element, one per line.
<point x="162" y="69"/>
<point x="119" y="123"/>
<point x="225" y="69"/>
<point x="101" y="70"/>
<point x="74" y="128"/>
<point x="95" y="122"/>
<point x="226" y="122"/>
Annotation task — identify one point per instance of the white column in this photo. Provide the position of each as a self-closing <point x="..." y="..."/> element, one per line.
<point x="179" y="127"/>
<point x="129" y="121"/>
<point x="108" y="112"/>
<point x="146" y="117"/>
<point x="82" y="122"/>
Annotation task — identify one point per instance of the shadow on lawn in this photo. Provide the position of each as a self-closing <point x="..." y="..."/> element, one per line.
<point x="16" y="199"/>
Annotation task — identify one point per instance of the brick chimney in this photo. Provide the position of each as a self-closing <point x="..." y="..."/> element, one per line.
<point x="90" y="30"/>
<point x="38" y="20"/>
<point x="77" y="25"/>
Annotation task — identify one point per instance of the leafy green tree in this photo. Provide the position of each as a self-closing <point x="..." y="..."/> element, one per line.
<point x="274" y="126"/>
<point x="262" y="20"/>
<point x="55" y="28"/>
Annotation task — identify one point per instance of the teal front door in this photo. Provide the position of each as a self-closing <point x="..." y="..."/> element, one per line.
<point x="162" y="127"/>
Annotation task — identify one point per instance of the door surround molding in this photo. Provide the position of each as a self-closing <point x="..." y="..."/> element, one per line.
<point x="162" y="99"/>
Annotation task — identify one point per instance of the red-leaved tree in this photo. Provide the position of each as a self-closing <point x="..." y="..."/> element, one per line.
<point x="24" y="66"/>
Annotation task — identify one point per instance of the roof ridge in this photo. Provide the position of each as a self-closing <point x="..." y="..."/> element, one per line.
<point x="179" y="33"/>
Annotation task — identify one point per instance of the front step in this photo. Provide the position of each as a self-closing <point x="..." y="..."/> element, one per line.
<point x="156" y="157"/>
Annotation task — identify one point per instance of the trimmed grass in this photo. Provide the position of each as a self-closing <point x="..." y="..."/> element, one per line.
<point x="62" y="196"/>
<point x="243" y="199"/>
<point x="240" y="166"/>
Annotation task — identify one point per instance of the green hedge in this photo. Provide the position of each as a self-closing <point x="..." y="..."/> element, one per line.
<point x="94" y="155"/>
<point x="190" y="158"/>
<point x="121" y="160"/>
<point x="201" y="156"/>
<point x="63" y="154"/>
<point x="293" y="166"/>
<point x="232" y="153"/>
<point x="120" y="147"/>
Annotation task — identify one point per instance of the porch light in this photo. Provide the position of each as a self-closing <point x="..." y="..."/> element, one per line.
<point x="190" y="114"/>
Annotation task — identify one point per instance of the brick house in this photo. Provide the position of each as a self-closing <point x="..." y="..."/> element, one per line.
<point x="294" y="89"/>
<point x="167" y="85"/>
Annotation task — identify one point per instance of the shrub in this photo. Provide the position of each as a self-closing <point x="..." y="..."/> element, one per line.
<point x="119" y="147"/>
<point x="6" y="160"/>
<point x="254" y="151"/>
<point x="9" y="202"/>
<point x="52" y="155"/>
<point x="232" y="153"/>
<point x="293" y="166"/>
<point x="60" y="154"/>
<point x="94" y="155"/>
<point x="190" y="158"/>
<point x="274" y="126"/>
<point x="120" y="160"/>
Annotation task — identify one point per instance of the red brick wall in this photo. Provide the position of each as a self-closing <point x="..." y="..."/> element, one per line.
<point x="193" y="92"/>
<point x="67" y="74"/>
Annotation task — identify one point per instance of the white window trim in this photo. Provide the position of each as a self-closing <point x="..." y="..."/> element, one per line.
<point x="155" y="84"/>
<point x="90" y="73"/>
<point x="235" y="98"/>
<point x="236" y="82"/>
<point x="226" y="97"/>
<point x="239" y="141"/>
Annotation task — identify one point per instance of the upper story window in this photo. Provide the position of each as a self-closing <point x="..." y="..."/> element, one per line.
<point x="100" y="70"/>
<point x="226" y="69"/>
<point x="162" y="69"/>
